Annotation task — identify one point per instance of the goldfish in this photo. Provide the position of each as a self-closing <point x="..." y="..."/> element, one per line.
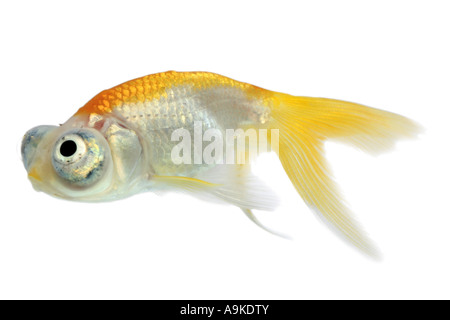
<point x="137" y="137"/>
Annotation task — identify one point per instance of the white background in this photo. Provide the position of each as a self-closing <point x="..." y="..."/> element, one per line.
<point x="392" y="55"/>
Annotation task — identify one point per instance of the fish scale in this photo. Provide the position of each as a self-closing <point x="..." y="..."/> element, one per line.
<point x="156" y="119"/>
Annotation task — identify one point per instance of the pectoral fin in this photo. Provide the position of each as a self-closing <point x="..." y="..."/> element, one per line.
<point x="126" y="150"/>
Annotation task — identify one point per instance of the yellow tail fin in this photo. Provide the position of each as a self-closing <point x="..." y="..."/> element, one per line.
<point x="304" y="124"/>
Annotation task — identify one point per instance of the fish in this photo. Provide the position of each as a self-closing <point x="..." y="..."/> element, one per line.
<point x="178" y="130"/>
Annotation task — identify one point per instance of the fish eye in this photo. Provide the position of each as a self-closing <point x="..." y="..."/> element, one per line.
<point x="78" y="158"/>
<point x="68" y="148"/>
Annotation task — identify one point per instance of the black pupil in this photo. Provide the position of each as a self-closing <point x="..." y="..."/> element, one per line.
<point x="68" y="148"/>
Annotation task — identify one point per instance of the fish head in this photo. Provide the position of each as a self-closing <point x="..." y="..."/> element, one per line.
<point x="78" y="162"/>
<point x="85" y="159"/>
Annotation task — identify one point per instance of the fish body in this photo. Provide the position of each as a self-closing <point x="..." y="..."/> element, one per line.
<point x="156" y="105"/>
<point x="122" y="142"/>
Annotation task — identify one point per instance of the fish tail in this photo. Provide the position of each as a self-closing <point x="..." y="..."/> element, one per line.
<point x="304" y="124"/>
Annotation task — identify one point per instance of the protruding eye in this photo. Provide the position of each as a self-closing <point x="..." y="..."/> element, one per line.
<point x="78" y="158"/>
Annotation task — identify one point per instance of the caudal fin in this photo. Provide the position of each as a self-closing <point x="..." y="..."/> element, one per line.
<point x="304" y="123"/>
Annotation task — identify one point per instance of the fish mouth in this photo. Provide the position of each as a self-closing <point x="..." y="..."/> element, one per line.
<point x="34" y="175"/>
<point x="35" y="179"/>
<point x="40" y="185"/>
<point x="31" y="150"/>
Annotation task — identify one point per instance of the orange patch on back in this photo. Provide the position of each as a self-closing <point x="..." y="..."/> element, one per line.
<point x="154" y="87"/>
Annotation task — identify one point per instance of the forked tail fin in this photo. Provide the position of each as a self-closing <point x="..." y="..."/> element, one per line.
<point x="304" y="123"/>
